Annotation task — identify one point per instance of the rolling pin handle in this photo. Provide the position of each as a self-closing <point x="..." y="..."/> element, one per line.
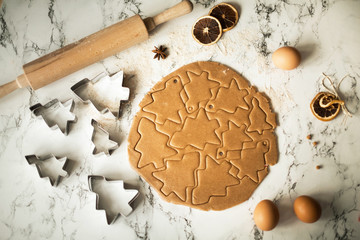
<point x="20" y="82"/>
<point x="182" y="8"/>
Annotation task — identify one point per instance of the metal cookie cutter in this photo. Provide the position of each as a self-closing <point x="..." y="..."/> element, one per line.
<point x="50" y="167"/>
<point x="104" y="92"/>
<point x="101" y="140"/>
<point x="112" y="197"/>
<point x="56" y="115"/>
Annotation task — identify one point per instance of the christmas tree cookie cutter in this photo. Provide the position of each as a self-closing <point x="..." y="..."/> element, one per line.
<point x="57" y="115"/>
<point x="105" y="92"/>
<point x="112" y="197"/>
<point x="101" y="140"/>
<point x="50" y="167"/>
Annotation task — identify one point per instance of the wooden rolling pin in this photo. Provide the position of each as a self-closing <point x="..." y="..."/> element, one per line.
<point x="91" y="49"/>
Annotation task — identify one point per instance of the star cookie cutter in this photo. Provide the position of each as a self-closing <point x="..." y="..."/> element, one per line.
<point x="50" y="167"/>
<point x="57" y="115"/>
<point x="105" y="92"/>
<point x="101" y="140"/>
<point x="116" y="204"/>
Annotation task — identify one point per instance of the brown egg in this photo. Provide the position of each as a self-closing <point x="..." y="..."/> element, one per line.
<point x="307" y="209"/>
<point x="266" y="215"/>
<point x="286" y="58"/>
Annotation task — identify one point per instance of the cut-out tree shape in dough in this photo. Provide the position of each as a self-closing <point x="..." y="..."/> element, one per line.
<point x="212" y="181"/>
<point x="167" y="108"/>
<point x="196" y="132"/>
<point x="175" y="146"/>
<point x="256" y="157"/>
<point x="233" y="139"/>
<point x="154" y="141"/>
<point x="179" y="175"/>
<point x="258" y="118"/>
<point x="228" y="99"/>
<point x="192" y="90"/>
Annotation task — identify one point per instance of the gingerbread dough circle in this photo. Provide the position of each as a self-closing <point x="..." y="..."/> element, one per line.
<point x="203" y="137"/>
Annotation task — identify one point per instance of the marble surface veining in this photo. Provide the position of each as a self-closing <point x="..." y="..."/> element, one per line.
<point x="327" y="34"/>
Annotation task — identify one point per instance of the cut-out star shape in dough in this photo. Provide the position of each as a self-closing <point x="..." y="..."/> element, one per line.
<point x="195" y="96"/>
<point x="211" y="181"/>
<point x="167" y="102"/>
<point x="196" y="132"/>
<point x="152" y="145"/>
<point x="256" y="157"/>
<point x="175" y="182"/>
<point x="228" y="99"/>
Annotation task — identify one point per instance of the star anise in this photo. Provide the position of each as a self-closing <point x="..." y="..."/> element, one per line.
<point x="160" y="52"/>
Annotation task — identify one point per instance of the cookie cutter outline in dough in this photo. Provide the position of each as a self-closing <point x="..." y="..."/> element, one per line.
<point x="99" y="87"/>
<point x="34" y="159"/>
<point x="98" y="129"/>
<point x="53" y="105"/>
<point x="130" y="209"/>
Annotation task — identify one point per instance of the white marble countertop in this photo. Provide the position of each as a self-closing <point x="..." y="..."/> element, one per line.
<point x="325" y="32"/>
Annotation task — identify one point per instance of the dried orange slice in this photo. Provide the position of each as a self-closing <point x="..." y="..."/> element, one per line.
<point x="207" y="30"/>
<point x="226" y="14"/>
<point x="325" y="106"/>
